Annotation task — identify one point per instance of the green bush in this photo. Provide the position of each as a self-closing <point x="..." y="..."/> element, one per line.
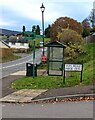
<point x="74" y="44"/>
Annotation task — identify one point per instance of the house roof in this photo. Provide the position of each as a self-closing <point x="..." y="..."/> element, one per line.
<point x="5" y="43"/>
<point x="15" y="40"/>
<point x="8" y="32"/>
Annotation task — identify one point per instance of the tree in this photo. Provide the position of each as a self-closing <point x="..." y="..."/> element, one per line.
<point x="23" y="29"/>
<point x="91" y="17"/>
<point x="62" y="23"/>
<point x="74" y="43"/>
<point x="47" y="31"/>
<point x="33" y="28"/>
<point x="36" y="29"/>
<point x="86" y="28"/>
<point x="85" y="32"/>
<point x="92" y="30"/>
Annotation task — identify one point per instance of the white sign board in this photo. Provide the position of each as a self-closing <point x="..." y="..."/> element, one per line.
<point x="73" y="67"/>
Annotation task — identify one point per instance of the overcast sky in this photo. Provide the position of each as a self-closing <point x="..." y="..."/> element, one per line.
<point x="16" y="13"/>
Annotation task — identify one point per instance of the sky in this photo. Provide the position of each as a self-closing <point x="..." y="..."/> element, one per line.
<point x="16" y="13"/>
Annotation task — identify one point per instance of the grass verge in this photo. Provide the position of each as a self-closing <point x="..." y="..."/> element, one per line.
<point x="72" y="79"/>
<point x="9" y="58"/>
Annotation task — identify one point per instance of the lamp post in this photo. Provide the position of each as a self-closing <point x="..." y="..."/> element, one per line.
<point x="42" y="10"/>
<point x="34" y="58"/>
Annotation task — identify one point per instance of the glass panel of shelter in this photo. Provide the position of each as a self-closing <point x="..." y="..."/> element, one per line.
<point x="56" y="54"/>
<point x="55" y="61"/>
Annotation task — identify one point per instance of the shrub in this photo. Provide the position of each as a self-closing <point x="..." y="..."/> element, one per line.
<point x="74" y="43"/>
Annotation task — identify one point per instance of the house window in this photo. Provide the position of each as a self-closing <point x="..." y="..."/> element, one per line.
<point x="22" y="44"/>
<point x="13" y="43"/>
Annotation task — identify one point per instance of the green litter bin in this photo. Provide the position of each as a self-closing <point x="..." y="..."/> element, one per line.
<point x="29" y="69"/>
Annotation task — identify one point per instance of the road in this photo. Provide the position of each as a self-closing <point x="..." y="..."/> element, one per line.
<point x="81" y="109"/>
<point x="19" y="64"/>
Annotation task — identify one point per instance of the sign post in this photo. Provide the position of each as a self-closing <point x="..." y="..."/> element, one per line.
<point x="32" y="36"/>
<point x="34" y="59"/>
<point x="75" y="68"/>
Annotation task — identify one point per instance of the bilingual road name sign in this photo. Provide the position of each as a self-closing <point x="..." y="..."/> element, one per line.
<point x="73" y="67"/>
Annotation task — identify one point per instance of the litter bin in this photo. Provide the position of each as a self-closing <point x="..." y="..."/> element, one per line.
<point x="29" y="69"/>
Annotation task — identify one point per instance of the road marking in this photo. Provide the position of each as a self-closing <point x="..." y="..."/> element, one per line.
<point x="15" y="64"/>
<point x="19" y="63"/>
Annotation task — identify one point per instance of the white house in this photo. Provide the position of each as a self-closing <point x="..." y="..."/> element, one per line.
<point x="18" y="43"/>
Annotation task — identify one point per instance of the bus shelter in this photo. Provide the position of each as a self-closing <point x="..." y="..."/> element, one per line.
<point x="55" y="58"/>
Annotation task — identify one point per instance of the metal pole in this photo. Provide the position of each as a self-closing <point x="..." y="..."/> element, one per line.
<point x="34" y="59"/>
<point x="43" y="29"/>
<point x="81" y="77"/>
<point x="93" y="15"/>
<point x="64" y="77"/>
<point x="92" y="18"/>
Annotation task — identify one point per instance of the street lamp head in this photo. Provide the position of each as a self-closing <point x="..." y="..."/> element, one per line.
<point x="42" y="8"/>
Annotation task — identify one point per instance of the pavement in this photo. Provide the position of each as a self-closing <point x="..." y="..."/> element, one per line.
<point x="29" y="95"/>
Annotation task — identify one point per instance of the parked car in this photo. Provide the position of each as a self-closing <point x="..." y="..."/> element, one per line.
<point x="41" y="44"/>
<point x="45" y="49"/>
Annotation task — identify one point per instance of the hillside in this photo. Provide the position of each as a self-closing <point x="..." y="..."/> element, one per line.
<point x="8" y="32"/>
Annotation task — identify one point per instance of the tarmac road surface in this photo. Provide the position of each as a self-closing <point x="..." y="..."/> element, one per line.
<point x="81" y="109"/>
<point x="19" y="64"/>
